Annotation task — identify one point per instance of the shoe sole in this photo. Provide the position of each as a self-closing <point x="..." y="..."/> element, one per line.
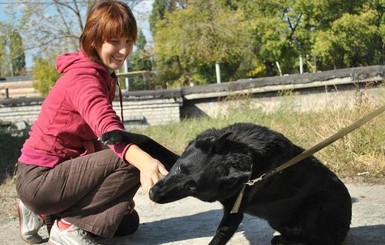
<point x="21" y="222"/>
<point x="53" y="243"/>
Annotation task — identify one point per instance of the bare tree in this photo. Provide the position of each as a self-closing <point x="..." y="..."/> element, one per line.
<point x="50" y="27"/>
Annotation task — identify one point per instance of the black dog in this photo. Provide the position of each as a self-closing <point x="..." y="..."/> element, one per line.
<point x="306" y="203"/>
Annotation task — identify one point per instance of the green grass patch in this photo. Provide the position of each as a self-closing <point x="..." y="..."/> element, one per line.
<point x="360" y="153"/>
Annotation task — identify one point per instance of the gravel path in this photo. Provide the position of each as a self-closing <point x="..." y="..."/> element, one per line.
<point x="190" y="221"/>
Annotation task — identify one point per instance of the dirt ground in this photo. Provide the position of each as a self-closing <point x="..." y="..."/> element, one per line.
<point x="190" y="221"/>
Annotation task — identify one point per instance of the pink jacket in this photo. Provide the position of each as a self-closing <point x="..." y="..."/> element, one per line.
<point x="77" y="111"/>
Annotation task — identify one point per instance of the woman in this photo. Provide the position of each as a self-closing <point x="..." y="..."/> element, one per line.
<point x="63" y="169"/>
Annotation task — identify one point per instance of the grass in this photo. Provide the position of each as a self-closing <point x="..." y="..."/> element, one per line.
<point x="359" y="154"/>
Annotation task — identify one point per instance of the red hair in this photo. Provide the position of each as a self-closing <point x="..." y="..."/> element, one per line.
<point x="107" y="20"/>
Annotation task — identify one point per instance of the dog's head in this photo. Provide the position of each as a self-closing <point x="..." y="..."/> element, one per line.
<point x="212" y="167"/>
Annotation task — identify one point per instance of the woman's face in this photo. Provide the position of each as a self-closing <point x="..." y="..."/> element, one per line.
<point x="114" y="52"/>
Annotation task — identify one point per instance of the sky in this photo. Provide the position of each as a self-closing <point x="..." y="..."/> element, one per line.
<point x="141" y="12"/>
<point x="2" y="13"/>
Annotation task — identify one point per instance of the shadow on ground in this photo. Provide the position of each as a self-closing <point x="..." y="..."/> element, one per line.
<point x="366" y="235"/>
<point x="176" y="229"/>
<point x="252" y="230"/>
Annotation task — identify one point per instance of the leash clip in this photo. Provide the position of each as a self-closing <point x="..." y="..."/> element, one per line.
<point x="253" y="181"/>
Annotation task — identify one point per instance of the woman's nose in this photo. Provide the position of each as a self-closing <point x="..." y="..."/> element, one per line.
<point x="125" y="48"/>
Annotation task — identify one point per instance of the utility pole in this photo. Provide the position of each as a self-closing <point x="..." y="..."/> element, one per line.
<point x="126" y="79"/>
<point x="218" y="71"/>
<point x="300" y="64"/>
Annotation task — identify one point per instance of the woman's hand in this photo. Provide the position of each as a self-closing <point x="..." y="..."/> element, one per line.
<point x="151" y="170"/>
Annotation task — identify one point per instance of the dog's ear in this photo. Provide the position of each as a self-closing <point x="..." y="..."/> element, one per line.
<point x="237" y="174"/>
<point x="220" y="142"/>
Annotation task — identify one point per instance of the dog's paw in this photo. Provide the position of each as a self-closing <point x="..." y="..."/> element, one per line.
<point x="112" y="137"/>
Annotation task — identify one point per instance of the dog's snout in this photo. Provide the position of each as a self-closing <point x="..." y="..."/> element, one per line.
<point x="152" y="193"/>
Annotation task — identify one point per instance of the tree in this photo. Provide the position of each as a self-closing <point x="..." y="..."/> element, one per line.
<point x="248" y="38"/>
<point x="12" y="56"/>
<point x="3" y="56"/>
<point x="17" y="54"/>
<point x="352" y="40"/>
<point x="161" y="7"/>
<point x="46" y="28"/>
<point x="328" y="34"/>
<point x="49" y="28"/>
<point x="140" y="60"/>
<point x="342" y="35"/>
<point x="189" y="41"/>
<point x="54" y="27"/>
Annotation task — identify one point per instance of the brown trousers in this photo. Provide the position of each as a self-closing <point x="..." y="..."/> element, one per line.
<point x="92" y="192"/>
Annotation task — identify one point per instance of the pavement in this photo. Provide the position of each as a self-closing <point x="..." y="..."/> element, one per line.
<point x="193" y="222"/>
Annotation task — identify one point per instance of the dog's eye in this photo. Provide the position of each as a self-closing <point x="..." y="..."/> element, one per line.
<point x="191" y="186"/>
<point x="178" y="169"/>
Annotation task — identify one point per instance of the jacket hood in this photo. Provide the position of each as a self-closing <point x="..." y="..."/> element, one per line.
<point x="77" y="60"/>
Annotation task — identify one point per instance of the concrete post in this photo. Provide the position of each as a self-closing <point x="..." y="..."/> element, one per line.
<point x="218" y="72"/>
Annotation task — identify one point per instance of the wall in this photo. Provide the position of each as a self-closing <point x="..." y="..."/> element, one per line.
<point x="18" y="89"/>
<point x="149" y="112"/>
<point x="294" y="99"/>
<point x="136" y="113"/>
<point x="302" y="92"/>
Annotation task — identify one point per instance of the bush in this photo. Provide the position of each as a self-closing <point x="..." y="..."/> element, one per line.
<point x="10" y="151"/>
<point x="44" y="75"/>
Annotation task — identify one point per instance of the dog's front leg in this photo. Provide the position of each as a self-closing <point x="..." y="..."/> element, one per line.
<point x="226" y="229"/>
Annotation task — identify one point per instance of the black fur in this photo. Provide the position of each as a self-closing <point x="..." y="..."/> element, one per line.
<point x="306" y="203"/>
<point x="156" y="150"/>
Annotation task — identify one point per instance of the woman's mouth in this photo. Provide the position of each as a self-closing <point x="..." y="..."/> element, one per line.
<point x="118" y="59"/>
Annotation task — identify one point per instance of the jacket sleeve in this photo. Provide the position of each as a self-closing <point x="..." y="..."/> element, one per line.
<point x="90" y="97"/>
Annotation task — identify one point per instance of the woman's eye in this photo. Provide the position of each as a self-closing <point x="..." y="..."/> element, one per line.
<point x="113" y="41"/>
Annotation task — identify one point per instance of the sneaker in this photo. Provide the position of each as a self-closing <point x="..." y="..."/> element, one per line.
<point x="29" y="224"/>
<point x="73" y="235"/>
